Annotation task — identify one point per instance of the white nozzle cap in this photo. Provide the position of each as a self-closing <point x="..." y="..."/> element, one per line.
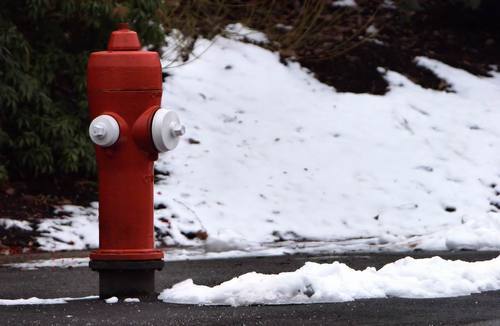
<point x="166" y="130"/>
<point x="104" y="130"/>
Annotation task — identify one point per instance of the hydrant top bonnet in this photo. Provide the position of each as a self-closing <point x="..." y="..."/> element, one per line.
<point x="124" y="66"/>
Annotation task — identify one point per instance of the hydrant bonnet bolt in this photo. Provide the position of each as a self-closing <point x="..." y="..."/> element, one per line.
<point x="104" y="130"/>
<point x="166" y="130"/>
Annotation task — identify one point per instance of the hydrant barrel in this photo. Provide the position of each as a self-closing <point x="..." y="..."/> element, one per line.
<point x="124" y="86"/>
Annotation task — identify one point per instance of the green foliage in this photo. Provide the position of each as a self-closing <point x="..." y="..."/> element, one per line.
<point x="44" y="47"/>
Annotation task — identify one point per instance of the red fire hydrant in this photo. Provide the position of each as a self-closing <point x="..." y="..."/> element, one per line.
<point x="128" y="129"/>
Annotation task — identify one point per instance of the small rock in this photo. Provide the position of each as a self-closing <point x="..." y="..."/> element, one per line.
<point x="193" y="141"/>
<point x="450" y="209"/>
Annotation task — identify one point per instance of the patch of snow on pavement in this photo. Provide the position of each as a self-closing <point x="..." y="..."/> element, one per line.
<point x="336" y="282"/>
<point x="35" y="301"/>
<point x="58" y="262"/>
<point x="131" y="300"/>
<point x="271" y="154"/>
<point x="111" y="300"/>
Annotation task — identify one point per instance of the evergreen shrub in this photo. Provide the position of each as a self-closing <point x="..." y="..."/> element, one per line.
<point x="44" y="47"/>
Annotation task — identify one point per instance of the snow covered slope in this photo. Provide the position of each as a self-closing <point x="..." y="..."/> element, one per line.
<point x="271" y="153"/>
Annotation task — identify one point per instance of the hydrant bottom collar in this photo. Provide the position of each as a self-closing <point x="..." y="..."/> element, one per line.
<point x="127" y="279"/>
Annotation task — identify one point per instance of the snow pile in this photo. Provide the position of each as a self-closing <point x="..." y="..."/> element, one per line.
<point x="336" y="282"/>
<point x="271" y="154"/>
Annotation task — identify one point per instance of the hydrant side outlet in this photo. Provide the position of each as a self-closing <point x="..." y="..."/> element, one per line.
<point x="104" y="130"/>
<point x="166" y="129"/>
<point x="124" y="87"/>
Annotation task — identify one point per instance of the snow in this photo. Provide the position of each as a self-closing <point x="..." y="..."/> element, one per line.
<point x="372" y="30"/>
<point x="344" y="3"/>
<point x="389" y="4"/>
<point x="131" y="300"/>
<point x="111" y="300"/>
<point x="77" y="230"/>
<point x="273" y="154"/>
<point x="36" y="301"/>
<point x="269" y="249"/>
<point x="336" y="282"/>
<point x="58" y="262"/>
<point x="8" y="223"/>
<point x="300" y="160"/>
<point x="241" y="32"/>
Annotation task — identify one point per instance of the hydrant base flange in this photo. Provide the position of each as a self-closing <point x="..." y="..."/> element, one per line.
<point x="126" y="255"/>
<point x="127" y="279"/>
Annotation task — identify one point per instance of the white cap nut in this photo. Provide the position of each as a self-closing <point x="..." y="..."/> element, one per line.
<point x="104" y="130"/>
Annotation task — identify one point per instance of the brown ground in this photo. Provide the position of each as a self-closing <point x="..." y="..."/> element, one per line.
<point x="341" y="54"/>
<point x="469" y="39"/>
<point x="35" y="199"/>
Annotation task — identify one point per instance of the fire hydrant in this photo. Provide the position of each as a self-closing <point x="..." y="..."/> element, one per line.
<point x="129" y="129"/>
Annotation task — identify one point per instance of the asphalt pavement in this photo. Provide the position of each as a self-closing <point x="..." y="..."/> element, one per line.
<point x="478" y="309"/>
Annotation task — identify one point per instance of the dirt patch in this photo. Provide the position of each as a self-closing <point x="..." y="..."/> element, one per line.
<point x="34" y="199"/>
<point x="443" y="30"/>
